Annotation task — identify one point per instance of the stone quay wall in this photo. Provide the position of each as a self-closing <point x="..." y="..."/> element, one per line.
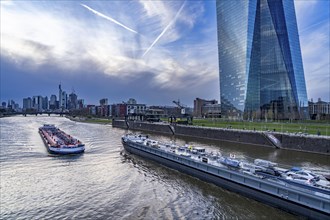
<point x="309" y="143"/>
<point x="315" y="144"/>
<point x="231" y="135"/>
<point x="146" y="126"/>
<point x="119" y="124"/>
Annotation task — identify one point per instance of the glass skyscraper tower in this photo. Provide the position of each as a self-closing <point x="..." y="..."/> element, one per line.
<point x="260" y="64"/>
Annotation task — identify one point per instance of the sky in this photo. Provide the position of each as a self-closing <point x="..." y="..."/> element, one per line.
<point x="153" y="51"/>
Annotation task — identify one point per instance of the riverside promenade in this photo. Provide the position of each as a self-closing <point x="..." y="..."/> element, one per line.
<point x="299" y="142"/>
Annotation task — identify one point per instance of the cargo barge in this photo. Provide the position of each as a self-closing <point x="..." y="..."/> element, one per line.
<point x="58" y="142"/>
<point x="262" y="180"/>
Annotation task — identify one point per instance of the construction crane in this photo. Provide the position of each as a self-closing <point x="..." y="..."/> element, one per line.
<point x="184" y="115"/>
<point x="182" y="108"/>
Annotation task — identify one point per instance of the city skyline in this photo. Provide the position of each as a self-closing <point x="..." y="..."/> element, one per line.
<point x="155" y="52"/>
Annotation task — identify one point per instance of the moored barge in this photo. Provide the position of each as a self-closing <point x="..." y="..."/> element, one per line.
<point x="261" y="180"/>
<point x="58" y="142"/>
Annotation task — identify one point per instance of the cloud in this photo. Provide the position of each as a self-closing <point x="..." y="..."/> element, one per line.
<point x="68" y="38"/>
<point x="28" y="50"/>
<point x="65" y="37"/>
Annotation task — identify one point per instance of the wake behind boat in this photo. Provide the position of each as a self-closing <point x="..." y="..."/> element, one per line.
<point x="58" y="142"/>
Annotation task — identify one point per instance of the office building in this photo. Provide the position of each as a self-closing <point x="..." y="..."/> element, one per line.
<point x="73" y="101"/>
<point x="53" y="102"/>
<point x="260" y="64"/>
<point x="104" y="101"/>
<point x="319" y="110"/>
<point x="80" y="104"/>
<point x="37" y="103"/>
<point x="206" y="108"/>
<point x="45" y="103"/>
<point x="63" y="98"/>
<point x="27" y="103"/>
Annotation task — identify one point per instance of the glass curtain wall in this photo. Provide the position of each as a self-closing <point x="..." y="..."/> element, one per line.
<point x="261" y="72"/>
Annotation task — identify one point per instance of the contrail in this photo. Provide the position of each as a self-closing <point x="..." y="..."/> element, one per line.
<point x="108" y="18"/>
<point x="313" y="25"/>
<point x="165" y="29"/>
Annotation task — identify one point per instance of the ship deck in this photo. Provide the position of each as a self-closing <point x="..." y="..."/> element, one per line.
<point x="281" y="193"/>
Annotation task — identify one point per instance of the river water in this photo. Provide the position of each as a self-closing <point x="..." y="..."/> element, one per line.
<point x="106" y="182"/>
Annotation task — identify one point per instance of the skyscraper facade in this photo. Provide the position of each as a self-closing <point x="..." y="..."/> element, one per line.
<point x="260" y="64"/>
<point x="73" y="101"/>
<point x="62" y="98"/>
<point x="27" y="103"/>
<point x="53" y="102"/>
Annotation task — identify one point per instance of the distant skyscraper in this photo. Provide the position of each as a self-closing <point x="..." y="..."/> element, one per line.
<point x="53" y="102"/>
<point x="131" y="101"/>
<point x="261" y="71"/>
<point x="104" y="101"/>
<point x="11" y="104"/>
<point x="80" y="104"/>
<point x="59" y="94"/>
<point x="37" y="103"/>
<point x="73" y="101"/>
<point x="63" y="98"/>
<point x="27" y="103"/>
<point x="45" y="103"/>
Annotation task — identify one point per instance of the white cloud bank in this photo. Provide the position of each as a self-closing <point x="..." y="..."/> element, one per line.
<point x="72" y="38"/>
<point x="67" y="36"/>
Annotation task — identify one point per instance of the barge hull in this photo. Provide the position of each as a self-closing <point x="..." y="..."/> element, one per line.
<point x="263" y="197"/>
<point x="59" y="151"/>
<point x="64" y="152"/>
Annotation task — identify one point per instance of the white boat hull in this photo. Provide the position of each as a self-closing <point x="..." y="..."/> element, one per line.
<point x="63" y="150"/>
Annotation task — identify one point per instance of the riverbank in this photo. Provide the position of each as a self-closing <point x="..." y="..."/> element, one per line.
<point x="298" y="142"/>
<point x="291" y="141"/>
<point x="91" y="120"/>
<point x="302" y="127"/>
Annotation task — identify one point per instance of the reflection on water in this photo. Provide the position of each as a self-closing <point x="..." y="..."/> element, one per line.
<point x="108" y="183"/>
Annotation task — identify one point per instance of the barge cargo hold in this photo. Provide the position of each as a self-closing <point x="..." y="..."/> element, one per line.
<point x="58" y="142"/>
<point x="251" y="180"/>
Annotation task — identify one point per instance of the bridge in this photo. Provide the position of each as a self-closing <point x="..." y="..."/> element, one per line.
<point x="34" y="113"/>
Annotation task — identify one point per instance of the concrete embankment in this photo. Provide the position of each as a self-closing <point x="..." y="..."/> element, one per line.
<point x="316" y="144"/>
<point x="313" y="144"/>
<point x="142" y="126"/>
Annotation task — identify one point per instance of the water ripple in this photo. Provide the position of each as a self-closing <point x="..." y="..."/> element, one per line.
<point x="105" y="182"/>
